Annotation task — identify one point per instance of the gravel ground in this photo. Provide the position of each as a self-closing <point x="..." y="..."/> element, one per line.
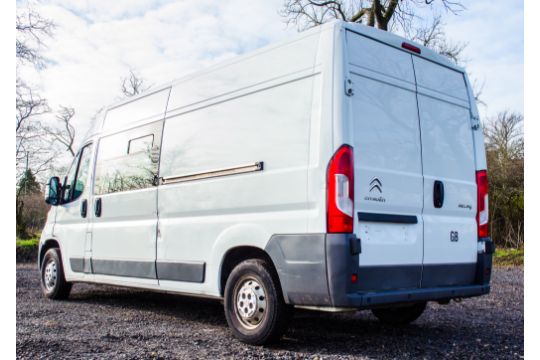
<point x="114" y="323"/>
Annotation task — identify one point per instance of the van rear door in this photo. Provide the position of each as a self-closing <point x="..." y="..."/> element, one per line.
<point x="450" y="239"/>
<point x="388" y="166"/>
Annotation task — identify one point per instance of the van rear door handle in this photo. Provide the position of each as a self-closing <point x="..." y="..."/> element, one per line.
<point x="438" y="194"/>
<point x="84" y="208"/>
<point x="97" y="207"/>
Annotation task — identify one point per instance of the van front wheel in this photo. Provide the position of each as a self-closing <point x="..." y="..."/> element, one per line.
<point x="254" y="305"/>
<point x="400" y="315"/>
<point x="53" y="282"/>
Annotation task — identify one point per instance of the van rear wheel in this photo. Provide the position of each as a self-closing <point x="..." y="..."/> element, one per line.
<point x="53" y="282"/>
<point x="400" y="315"/>
<point x="254" y="305"/>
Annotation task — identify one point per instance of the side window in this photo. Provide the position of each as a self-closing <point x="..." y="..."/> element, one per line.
<point x="82" y="173"/>
<point x="77" y="176"/>
<point x="141" y="144"/>
<point x="68" y="180"/>
<point x="128" y="160"/>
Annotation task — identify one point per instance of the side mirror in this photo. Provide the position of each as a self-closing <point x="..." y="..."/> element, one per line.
<point x="53" y="191"/>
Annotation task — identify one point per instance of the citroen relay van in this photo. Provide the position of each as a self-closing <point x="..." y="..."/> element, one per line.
<point x="343" y="169"/>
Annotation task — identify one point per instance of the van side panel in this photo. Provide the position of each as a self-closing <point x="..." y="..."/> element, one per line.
<point x="196" y="218"/>
<point x="326" y="87"/>
<point x="259" y="68"/>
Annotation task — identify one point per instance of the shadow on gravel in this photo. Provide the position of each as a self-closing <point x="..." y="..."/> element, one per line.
<point x="360" y="333"/>
<point x="337" y="334"/>
<point x="204" y="311"/>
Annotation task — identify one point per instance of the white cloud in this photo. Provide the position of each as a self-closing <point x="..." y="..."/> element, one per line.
<point x="494" y="33"/>
<point x="97" y="42"/>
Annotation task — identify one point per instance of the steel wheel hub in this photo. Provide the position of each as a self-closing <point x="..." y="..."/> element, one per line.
<point x="51" y="274"/>
<point x="250" y="303"/>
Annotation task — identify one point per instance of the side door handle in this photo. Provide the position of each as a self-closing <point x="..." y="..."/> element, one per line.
<point x="438" y="194"/>
<point x="97" y="207"/>
<point x="84" y="208"/>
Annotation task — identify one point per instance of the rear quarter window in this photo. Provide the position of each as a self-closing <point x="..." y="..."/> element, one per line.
<point x="128" y="160"/>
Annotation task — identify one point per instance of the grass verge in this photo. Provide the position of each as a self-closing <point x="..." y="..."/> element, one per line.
<point x="28" y="242"/>
<point x="508" y="257"/>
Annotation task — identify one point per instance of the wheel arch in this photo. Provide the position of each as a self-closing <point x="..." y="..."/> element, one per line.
<point x="235" y="256"/>
<point x="45" y="246"/>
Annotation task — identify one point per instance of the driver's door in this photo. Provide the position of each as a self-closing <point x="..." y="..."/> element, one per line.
<point x="71" y="227"/>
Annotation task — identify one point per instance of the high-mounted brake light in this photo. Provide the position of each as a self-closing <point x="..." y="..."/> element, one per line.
<point x="482" y="209"/>
<point x="411" y="47"/>
<point x="340" y="193"/>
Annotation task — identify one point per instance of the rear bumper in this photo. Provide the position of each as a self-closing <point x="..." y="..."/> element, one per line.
<point x="366" y="300"/>
<point x="316" y="269"/>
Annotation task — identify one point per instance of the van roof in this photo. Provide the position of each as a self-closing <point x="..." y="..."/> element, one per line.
<point x="368" y="31"/>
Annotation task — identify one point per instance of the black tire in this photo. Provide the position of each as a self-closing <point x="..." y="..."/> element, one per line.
<point x="58" y="288"/>
<point x="400" y="315"/>
<point x="275" y="315"/>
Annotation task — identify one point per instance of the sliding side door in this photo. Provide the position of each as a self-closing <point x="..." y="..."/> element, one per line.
<point x="124" y="211"/>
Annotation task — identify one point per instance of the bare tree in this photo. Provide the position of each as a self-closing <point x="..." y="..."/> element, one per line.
<point x="28" y="131"/>
<point x="505" y="158"/>
<point x="27" y="105"/>
<point x="133" y="85"/>
<point x="31" y="28"/>
<point x="33" y="149"/>
<point x="478" y="90"/>
<point x="65" y="135"/>
<point x="505" y="134"/>
<point x="383" y="14"/>
<point x="434" y="37"/>
<point x="390" y="15"/>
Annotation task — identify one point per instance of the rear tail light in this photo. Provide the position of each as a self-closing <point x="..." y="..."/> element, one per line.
<point x="482" y="212"/>
<point x="340" y="193"/>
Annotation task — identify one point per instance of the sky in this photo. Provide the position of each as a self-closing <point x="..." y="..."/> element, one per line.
<point x="97" y="42"/>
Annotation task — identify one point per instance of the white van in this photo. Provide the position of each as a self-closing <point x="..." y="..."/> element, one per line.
<point x="343" y="169"/>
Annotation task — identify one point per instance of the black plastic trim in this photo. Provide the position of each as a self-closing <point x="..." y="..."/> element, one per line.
<point x="490" y="245"/>
<point x="77" y="264"/>
<point x="317" y="269"/>
<point x="300" y="261"/>
<point x="367" y="300"/>
<point x="181" y="271"/>
<point x="139" y="269"/>
<point x="484" y="262"/>
<point x="175" y="271"/>
<point x="388" y="277"/>
<point x="388" y="218"/>
<point x="435" y="275"/>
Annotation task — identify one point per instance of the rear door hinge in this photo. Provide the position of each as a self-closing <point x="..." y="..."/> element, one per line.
<point x="475" y="120"/>
<point x="349" y="90"/>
